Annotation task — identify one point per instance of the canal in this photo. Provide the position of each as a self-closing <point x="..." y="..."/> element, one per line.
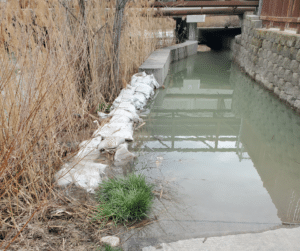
<point x="222" y="151"/>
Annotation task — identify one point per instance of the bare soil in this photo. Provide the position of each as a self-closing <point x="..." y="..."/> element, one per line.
<point x="67" y="223"/>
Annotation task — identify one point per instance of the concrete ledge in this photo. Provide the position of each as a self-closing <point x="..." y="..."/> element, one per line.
<point x="159" y="61"/>
<point x="273" y="240"/>
<point x="157" y="64"/>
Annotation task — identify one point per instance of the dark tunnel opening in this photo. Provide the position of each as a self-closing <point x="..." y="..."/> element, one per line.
<point x="217" y="38"/>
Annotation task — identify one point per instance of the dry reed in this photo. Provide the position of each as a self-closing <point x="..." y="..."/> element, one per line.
<point x="55" y="63"/>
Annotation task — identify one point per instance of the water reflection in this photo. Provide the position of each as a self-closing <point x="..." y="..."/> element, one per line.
<point x="270" y="134"/>
<point x="228" y="148"/>
<point x="194" y="114"/>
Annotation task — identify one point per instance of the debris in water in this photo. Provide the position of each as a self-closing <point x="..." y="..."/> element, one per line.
<point x="144" y="123"/>
<point x="159" y="161"/>
<point x="203" y="48"/>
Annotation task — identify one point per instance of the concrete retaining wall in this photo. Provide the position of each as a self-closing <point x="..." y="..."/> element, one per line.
<point x="159" y="61"/>
<point x="271" y="57"/>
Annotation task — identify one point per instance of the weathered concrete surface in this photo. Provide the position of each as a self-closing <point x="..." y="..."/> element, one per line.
<point x="157" y="64"/>
<point x="192" y="31"/>
<point x="280" y="239"/>
<point x="159" y="61"/>
<point x="183" y="50"/>
<point x="220" y="21"/>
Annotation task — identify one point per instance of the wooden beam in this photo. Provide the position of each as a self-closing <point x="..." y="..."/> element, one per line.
<point x="206" y="4"/>
<point x="281" y="19"/>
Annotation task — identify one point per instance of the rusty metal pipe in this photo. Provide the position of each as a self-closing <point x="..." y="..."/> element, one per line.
<point x="216" y="11"/>
<point x="206" y="4"/>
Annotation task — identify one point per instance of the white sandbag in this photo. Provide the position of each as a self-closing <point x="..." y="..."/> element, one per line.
<point x="133" y="116"/>
<point x="123" y="156"/>
<point x="143" y="78"/>
<point x="126" y="92"/>
<point x="127" y="106"/>
<point x="63" y="176"/>
<point x="138" y="77"/>
<point x="92" y="143"/>
<point x="118" y="101"/>
<point x="118" y="130"/>
<point x="120" y="119"/>
<point x="144" y="89"/>
<point x="86" y="153"/>
<point x="140" y="102"/>
<point x="89" y="147"/>
<point x="123" y="98"/>
<point x="154" y="83"/>
<point x="88" y="175"/>
<point x="97" y="133"/>
<point x="126" y="95"/>
<point x="111" y="143"/>
<point x="85" y="174"/>
<point x="125" y="132"/>
<point x="83" y="171"/>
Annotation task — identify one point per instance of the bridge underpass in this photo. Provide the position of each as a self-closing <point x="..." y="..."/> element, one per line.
<point x="187" y="13"/>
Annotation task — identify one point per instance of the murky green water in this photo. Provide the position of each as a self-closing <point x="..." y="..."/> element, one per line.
<point x="223" y="152"/>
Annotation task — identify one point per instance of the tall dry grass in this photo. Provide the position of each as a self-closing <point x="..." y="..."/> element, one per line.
<point x="55" y="61"/>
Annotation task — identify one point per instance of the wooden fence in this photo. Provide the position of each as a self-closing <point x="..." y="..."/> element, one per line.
<point x="281" y="13"/>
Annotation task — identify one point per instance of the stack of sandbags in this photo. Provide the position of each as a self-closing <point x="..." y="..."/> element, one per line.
<point x="112" y="137"/>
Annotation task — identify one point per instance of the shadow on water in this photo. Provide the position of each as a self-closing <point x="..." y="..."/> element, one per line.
<point x="222" y="151"/>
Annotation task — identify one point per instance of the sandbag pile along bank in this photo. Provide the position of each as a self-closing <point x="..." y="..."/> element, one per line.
<point x="83" y="171"/>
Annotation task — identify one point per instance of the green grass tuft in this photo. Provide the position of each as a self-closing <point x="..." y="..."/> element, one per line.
<point x="124" y="199"/>
<point x="107" y="247"/>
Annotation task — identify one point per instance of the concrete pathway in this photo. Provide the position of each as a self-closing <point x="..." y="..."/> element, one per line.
<point x="287" y="239"/>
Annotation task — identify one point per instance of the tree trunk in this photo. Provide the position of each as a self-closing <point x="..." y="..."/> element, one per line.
<point x="118" y="20"/>
<point x="86" y="76"/>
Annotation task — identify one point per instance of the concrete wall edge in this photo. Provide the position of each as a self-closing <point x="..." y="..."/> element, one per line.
<point x="159" y="61"/>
